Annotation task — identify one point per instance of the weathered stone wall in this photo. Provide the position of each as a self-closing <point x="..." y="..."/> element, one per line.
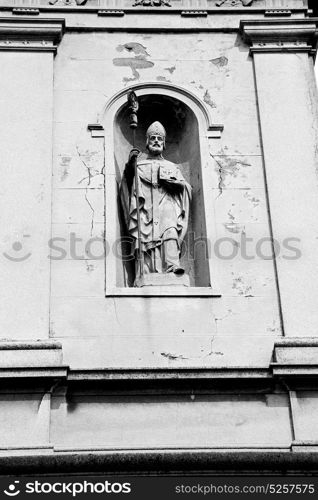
<point x="219" y="369"/>
<point x="90" y="69"/>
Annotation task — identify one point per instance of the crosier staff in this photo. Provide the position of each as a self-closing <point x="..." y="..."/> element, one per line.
<point x="133" y="123"/>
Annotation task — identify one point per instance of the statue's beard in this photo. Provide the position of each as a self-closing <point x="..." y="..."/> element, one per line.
<point x="155" y="150"/>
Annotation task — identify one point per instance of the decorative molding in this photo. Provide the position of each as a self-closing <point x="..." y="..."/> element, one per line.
<point x="168" y="89"/>
<point x="67" y="2"/>
<point x="25" y="12"/>
<point x="29" y="355"/>
<point x="152" y="3"/>
<point x="111" y="12"/>
<point x="215" y="131"/>
<point x="295" y="356"/>
<point x="277" y="13"/>
<point x="277" y="35"/>
<point x="30" y="34"/>
<point x="194" y="13"/>
<point x="234" y="3"/>
<point x="32" y="359"/>
<point x="96" y="129"/>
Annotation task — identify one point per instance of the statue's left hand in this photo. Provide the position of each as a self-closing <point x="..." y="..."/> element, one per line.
<point x="134" y="153"/>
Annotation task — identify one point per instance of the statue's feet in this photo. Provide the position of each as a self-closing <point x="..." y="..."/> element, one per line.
<point x="175" y="269"/>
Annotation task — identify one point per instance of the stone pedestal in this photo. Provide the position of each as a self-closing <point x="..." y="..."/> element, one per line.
<point x="163" y="280"/>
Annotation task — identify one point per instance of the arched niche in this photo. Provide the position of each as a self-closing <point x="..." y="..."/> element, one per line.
<point x="188" y="127"/>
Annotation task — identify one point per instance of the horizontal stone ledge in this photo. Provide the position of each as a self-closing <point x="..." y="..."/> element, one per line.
<point x="196" y="449"/>
<point x="29" y="345"/>
<point x="26" y="449"/>
<point x="163" y="291"/>
<point x="162" y="461"/>
<point x="301" y="446"/>
<point x="173" y="377"/>
<point x="297" y="342"/>
<point x="168" y="374"/>
<point x="30" y="354"/>
<point x="293" y="370"/>
<point x="296" y="356"/>
<point x="33" y="373"/>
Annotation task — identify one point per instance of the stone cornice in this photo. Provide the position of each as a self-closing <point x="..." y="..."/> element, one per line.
<point x="30" y="34"/>
<point x="280" y="35"/>
<point x="92" y="460"/>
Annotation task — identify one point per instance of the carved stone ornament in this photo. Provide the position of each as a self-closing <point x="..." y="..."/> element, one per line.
<point x="234" y="3"/>
<point x="155" y="199"/>
<point x="68" y="2"/>
<point x="152" y="3"/>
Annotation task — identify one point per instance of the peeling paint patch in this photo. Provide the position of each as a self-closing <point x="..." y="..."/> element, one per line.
<point x="208" y="100"/>
<point x="220" y="62"/>
<point x="65" y="161"/>
<point x="241" y="422"/>
<point x="172" y="356"/>
<point x="227" y="166"/>
<point x="134" y="63"/>
<point x="231" y="216"/>
<point x="171" y="70"/>
<point x="255" y="201"/>
<point x="162" y="79"/>
<point x="232" y="227"/>
<point x="233" y="165"/>
<point x="275" y="328"/>
<point x="136" y="48"/>
<point x="241" y="287"/>
<point x="89" y="267"/>
<point x="64" y="174"/>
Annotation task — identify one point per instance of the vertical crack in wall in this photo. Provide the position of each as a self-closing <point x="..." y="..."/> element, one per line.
<point x="89" y="177"/>
<point x="221" y="173"/>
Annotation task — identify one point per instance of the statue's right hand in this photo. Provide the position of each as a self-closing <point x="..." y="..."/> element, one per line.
<point x="134" y="153"/>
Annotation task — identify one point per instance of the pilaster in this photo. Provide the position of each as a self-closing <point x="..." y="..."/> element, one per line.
<point x="288" y="115"/>
<point x="27" y="49"/>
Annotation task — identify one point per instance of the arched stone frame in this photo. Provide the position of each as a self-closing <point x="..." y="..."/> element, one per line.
<point x="206" y="130"/>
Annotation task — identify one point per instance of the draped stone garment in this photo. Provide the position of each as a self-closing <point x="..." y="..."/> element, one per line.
<point x="164" y="198"/>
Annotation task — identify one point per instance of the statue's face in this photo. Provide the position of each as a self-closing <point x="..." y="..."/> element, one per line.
<point x="155" y="144"/>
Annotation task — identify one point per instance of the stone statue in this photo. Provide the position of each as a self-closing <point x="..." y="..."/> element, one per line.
<point x="163" y="209"/>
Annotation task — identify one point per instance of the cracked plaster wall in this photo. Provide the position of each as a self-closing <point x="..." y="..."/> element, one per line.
<point x="89" y="69"/>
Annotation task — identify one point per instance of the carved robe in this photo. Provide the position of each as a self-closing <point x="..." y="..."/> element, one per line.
<point x="164" y="198"/>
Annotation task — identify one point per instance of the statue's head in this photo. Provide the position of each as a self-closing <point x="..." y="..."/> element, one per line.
<point x="156" y="136"/>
